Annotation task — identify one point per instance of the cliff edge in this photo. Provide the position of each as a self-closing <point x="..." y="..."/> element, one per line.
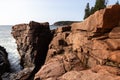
<point x="89" y="50"/>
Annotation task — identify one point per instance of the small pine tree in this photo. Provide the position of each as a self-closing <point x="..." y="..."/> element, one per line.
<point x="99" y="4"/>
<point x="117" y="3"/>
<point x="87" y="11"/>
<point x="92" y="10"/>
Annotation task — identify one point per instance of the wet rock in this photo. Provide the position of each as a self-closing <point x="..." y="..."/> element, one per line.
<point x="22" y="75"/>
<point x="4" y="63"/>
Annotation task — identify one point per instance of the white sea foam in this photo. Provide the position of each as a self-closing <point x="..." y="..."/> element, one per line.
<point x="7" y="41"/>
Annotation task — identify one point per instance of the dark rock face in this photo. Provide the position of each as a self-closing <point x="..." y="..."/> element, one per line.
<point x="4" y="63"/>
<point x="22" y="75"/>
<point x="32" y="43"/>
<point x="89" y="51"/>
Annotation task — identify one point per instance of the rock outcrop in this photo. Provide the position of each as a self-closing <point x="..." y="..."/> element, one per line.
<point x="89" y="50"/>
<point x="4" y="63"/>
<point x="21" y="75"/>
<point x="32" y="43"/>
<point x="96" y="73"/>
<point x="107" y="18"/>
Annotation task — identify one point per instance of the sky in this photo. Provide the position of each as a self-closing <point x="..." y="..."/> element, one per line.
<point x="22" y="11"/>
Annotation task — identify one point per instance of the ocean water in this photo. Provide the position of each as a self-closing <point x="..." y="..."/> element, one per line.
<point x="53" y="27"/>
<point x="8" y="42"/>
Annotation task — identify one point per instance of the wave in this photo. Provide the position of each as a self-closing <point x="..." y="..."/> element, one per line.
<point x="7" y="41"/>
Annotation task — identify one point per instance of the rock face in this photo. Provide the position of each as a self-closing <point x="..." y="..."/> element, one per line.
<point x="89" y="50"/>
<point x="21" y="75"/>
<point x="32" y="43"/>
<point x="106" y="18"/>
<point x="4" y="63"/>
<point x="96" y="73"/>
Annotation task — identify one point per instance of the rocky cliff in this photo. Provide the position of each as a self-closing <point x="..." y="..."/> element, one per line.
<point x="32" y="43"/>
<point x="89" y="50"/>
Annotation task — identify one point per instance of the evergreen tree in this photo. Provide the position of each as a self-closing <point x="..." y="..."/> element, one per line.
<point x="87" y="11"/>
<point x="117" y="3"/>
<point x="99" y="4"/>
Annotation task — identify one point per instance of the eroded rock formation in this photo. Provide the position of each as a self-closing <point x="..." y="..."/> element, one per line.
<point x="107" y="18"/>
<point x="89" y="50"/>
<point x="32" y="43"/>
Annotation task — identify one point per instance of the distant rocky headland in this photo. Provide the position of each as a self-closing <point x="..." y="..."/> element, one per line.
<point x="64" y="23"/>
<point x="87" y="50"/>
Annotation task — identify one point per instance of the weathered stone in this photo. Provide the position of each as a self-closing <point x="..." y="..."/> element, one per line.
<point x="34" y="46"/>
<point x="100" y="49"/>
<point x="32" y="43"/>
<point x="115" y="56"/>
<point x="58" y="40"/>
<point x="63" y="29"/>
<point x="109" y="69"/>
<point x="115" y="33"/>
<point x="51" y="53"/>
<point x="77" y="40"/>
<point x="106" y="19"/>
<point x="100" y="45"/>
<point x="102" y="74"/>
<point x="72" y="62"/>
<point x="114" y="44"/>
<point x="89" y="51"/>
<point x="22" y="75"/>
<point x="54" y="68"/>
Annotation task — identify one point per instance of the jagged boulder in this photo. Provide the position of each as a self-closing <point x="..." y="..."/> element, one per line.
<point x="21" y="75"/>
<point x="4" y="63"/>
<point x="32" y="43"/>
